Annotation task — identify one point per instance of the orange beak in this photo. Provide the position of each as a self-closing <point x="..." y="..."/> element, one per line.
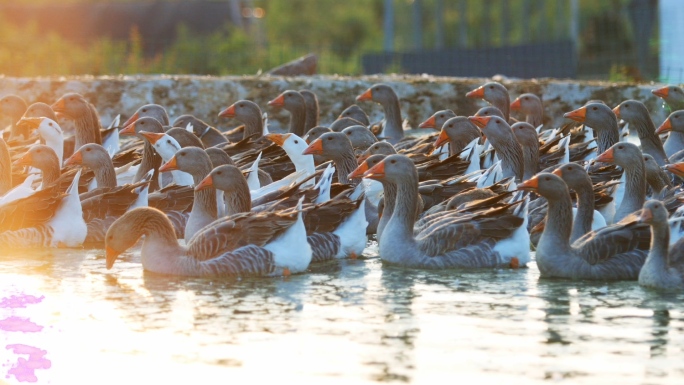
<point x="111" y="255"/>
<point x="25" y="160"/>
<point x="477" y="93"/>
<point x="377" y="172"/>
<point x="616" y="110"/>
<point x="59" y="105"/>
<point x="646" y="216"/>
<point x="606" y="157"/>
<point x="76" y="158"/>
<point x="665" y="127"/>
<point x="530" y="184"/>
<point x="558" y="172"/>
<point x="278" y="139"/>
<point x="578" y="115"/>
<point x="277" y="102"/>
<point x="205" y="183"/>
<point x="443" y="138"/>
<point x="228" y="112"/>
<point x="358" y="172"/>
<point x="368" y="95"/>
<point x="662" y="92"/>
<point x="430" y="123"/>
<point x="480" y="121"/>
<point x="31" y="123"/>
<point x="129" y="129"/>
<point x="131" y="120"/>
<point x="169" y="166"/>
<point x="152" y="137"/>
<point x="676" y="168"/>
<point x="315" y="148"/>
<point x="516" y="105"/>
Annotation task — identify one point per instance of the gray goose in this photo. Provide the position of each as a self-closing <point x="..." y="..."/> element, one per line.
<point x="312" y="109"/>
<point x="316" y="133"/>
<point x="335" y="229"/>
<point x="636" y="114"/>
<point x="496" y="94"/>
<point x="84" y="115"/>
<point x="467" y="241"/>
<point x="526" y="135"/>
<point x="360" y="137"/>
<point x="458" y="132"/>
<point x="248" y="245"/>
<point x="249" y="114"/>
<point x="615" y="252"/>
<point x="602" y="119"/>
<point x="438" y="119"/>
<point x="674" y="124"/>
<point x="43" y="158"/>
<point x="531" y="106"/>
<point x="195" y="162"/>
<point x="150" y="111"/>
<point x="656" y="177"/>
<point x="150" y="160"/>
<point x="14" y="106"/>
<point x="672" y="95"/>
<point x="504" y="142"/>
<point x="357" y="113"/>
<point x="209" y="135"/>
<point x="392" y="129"/>
<point x="293" y="102"/>
<point x="337" y="147"/>
<point x="40" y="110"/>
<point x="664" y="266"/>
<point x="629" y="157"/>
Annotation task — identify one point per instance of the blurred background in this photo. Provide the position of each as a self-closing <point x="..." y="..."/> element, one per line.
<point x="631" y="40"/>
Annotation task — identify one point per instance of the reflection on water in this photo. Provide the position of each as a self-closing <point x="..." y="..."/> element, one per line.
<point x="63" y="316"/>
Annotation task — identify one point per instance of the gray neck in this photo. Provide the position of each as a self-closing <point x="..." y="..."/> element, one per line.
<point x="650" y="142"/>
<point x="205" y="200"/>
<point x="404" y="215"/>
<point x="254" y="126"/>
<point x="503" y="103"/>
<point x="390" y="194"/>
<point x="393" y="128"/>
<point x="345" y="163"/>
<point x="674" y="143"/>
<point x="585" y="211"/>
<point x="536" y="116"/>
<point x="660" y="242"/>
<point x="87" y="128"/>
<point x="105" y="174"/>
<point x="531" y="159"/>
<point x="457" y="144"/>
<point x="511" y="155"/>
<point x="556" y="235"/>
<point x="607" y="136"/>
<point x="238" y="200"/>
<point x="150" y="161"/>
<point x="298" y="120"/>
<point x="52" y="172"/>
<point x="635" y="190"/>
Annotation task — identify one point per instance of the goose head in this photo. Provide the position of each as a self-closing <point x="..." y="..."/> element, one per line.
<point x="149" y="111"/>
<point x="548" y="185"/>
<point x="12" y="106"/>
<point x="653" y="212"/>
<point x="596" y="115"/>
<point x="624" y="154"/>
<point x="379" y="93"/>
<point x="674" y="122"/>
<point x="148" y="124"/>
<point x="438" y="119"/>
<point x="355" y="112"/>
<point x="71" y="105"/>
<point x="394" y="169"/>
<point x="315" y="133"/>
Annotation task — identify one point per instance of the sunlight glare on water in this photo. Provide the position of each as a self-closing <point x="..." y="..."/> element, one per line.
<point x="352" y="321"/>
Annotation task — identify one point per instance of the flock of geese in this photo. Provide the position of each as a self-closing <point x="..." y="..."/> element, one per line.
<point x="600" y="198"/>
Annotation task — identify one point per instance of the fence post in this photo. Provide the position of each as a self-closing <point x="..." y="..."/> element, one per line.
<point x="439" y="26"/>
<point x="389" y="26"/>
<point x="417" y="25"/>
<point x="463" y="23"/>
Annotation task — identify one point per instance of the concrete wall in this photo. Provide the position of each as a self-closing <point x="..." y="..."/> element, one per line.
<point x="420" y="95"/>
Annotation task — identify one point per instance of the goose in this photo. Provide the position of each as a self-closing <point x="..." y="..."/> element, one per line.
<point x="458" y="132"/>
<point x="150" y="160"/>
<point x="43" y="158"/>
<point x="392" y="128"/>
<point x="335" y="229"/>
<point x="49" y="131"/>
<point x="629" y="157"/>
<point x="469" y="241"/>
<point x="360" y="137"/>
<point x="672" y="95"/>
<point x="342" y="123"/>
<point x="149" y="111"/>
<point x="167" y="146"/>
<point x="243" y="245"/>
<point x="664" y="266"/>
<point x="356" y="113"/>
<point x="337" y="147"/>
<point x="500" y="135"/>
<point x="86" y="120"/>
<point x="636" y="114"/>
<point x="312" y="109"/>
<point x="209" y="135"/>
<point x="437" y="119"/>
<point x="496" y="94"/>
<point x="602" y="119"/>
<point x="293" y="102"/>
<point x="615" y="252"/>
<point x="674" y="124"/>
<point x="249" y="114"/>
<point x="656" y="177"/>
<point x="196" y="162"/>
<point x="14" y="106"/>
<point x="526" y="135"/>
<point x="531" y="106"/>
<point x="48" y="218"/>
<point x="294" y="147"/>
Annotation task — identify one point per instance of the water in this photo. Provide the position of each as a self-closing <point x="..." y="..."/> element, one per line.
<point x="352" y="321"/>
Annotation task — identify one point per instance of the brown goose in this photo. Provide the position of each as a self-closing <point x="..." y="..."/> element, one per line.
<point x="14" y="106"/>
<point x="496" y="94"/>
<point x="43" y="158"/>
<point x="209" y="135"/>
<point x="84" y="115"/>
<point x="468" y="241"/>
<point x="527" y="137"/>
<point x="150" y="160"/>
<point x="195" y="162"/>
<point x="531" y="106"/>
<point x="293" y="102"/>
<point x="249" y="114"/>
<point x="248" y="245"/>
<point x="40" y="110"/>
<point x="602" y="119"/>
<point x="629" y="157"/>
<point x="504" y="142"/>
<point x="674" y="124"/>
<point x="616" y="252"/>
<point x="311" y="101"/>
<point x="636" y="114"/>
<point x="664" y="266"/>
<point x="672" y="95"/>
<point x="357" y="113"/>
<point x="392" y="129"/>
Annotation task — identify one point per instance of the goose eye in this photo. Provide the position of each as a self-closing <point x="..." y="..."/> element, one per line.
<point x="376" y="147"/>
<point x="498" y="121"/>
<point x="393" y="161"/>
<point x="182" y="154"/>
<point x="451" y="125"/>
<point x="168" y="141"/>
<point x="219" y="172"/>
<point x="240" y="105"/>
<point x="491" y="87"/>
<point x="330" y="138"/>
<point x="87" y="149"/>
<point x="656" y="206"/>
<point x="50" y="124"/>
<point x="142" y="123"/>
<point x="144" y="110"/>
<point x="620" y="147"/>
<point x="441" y="116"/>
<point x="348" y="133"/>
<point x="594" y="108"/>
<point x="547" y="178"/>
<point x="296" y="142"/>
<point x="569" y="168"/>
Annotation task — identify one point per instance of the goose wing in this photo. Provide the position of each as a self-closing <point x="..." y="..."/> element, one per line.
<point x="601" y="245"/>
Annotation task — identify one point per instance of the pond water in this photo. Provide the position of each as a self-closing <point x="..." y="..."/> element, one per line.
<point x="64" y="319"/>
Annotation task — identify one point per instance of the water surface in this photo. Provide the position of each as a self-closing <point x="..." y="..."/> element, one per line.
<point x="64" y="319"/>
